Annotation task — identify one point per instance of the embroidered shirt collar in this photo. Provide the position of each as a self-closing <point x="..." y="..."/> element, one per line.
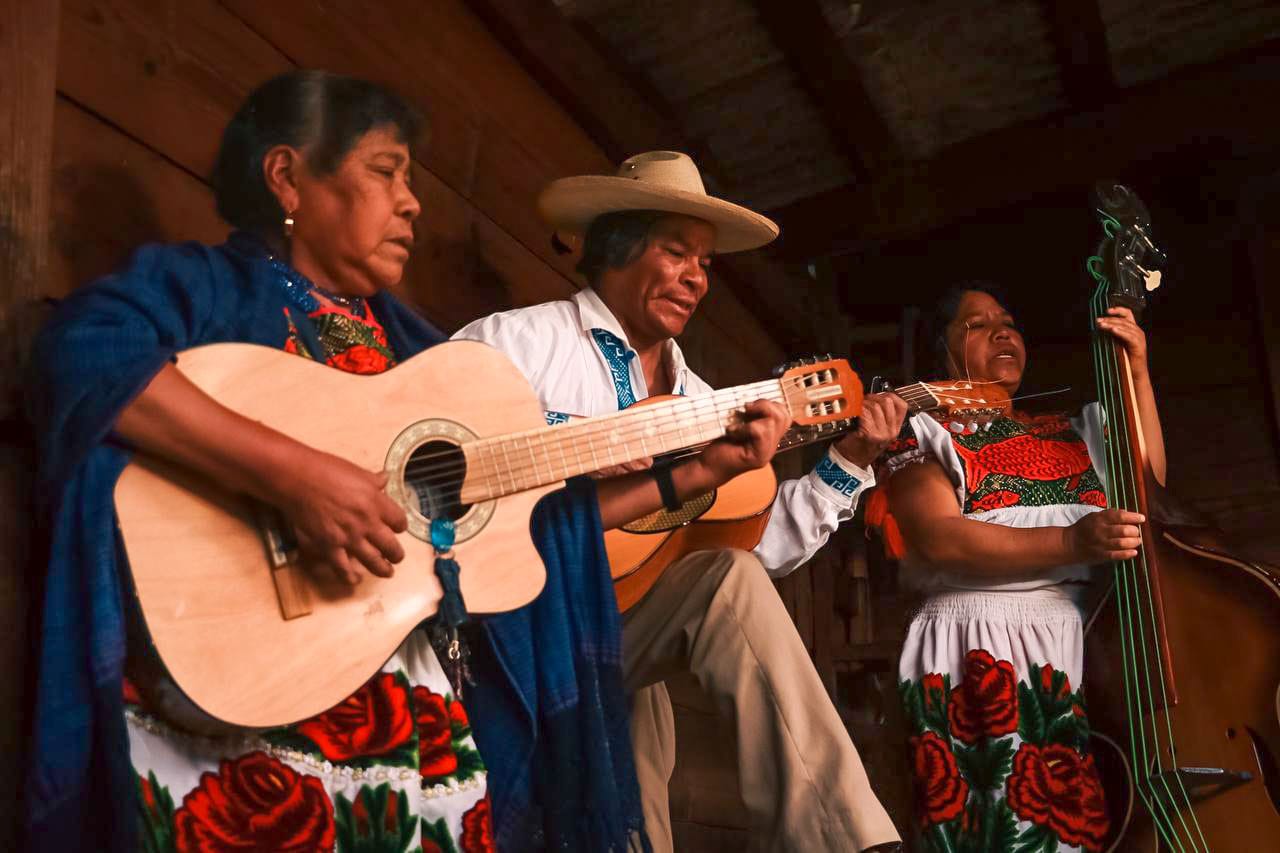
<point x="594" y="314"/>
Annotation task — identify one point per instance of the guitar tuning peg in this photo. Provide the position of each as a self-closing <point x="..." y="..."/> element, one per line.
<point x="970" y="428"/>
<point x="956" y="427"/>
<point x="987" y="426"/>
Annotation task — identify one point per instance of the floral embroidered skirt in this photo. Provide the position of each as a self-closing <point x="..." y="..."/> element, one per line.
<point x="392" y="768"/>
<point x="999" y="736"/>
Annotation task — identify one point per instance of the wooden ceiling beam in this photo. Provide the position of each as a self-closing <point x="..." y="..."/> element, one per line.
<point x="1080" y="41"/>
<point x="1168" y="119"/>
<point x="828" y="75"/>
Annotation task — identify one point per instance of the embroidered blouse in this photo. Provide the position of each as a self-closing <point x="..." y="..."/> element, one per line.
<point x="1024" y="471"/>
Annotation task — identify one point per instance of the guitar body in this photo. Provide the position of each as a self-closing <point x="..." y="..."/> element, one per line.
<point x="212" y="606"/>
<point x="733" y="516"/>
<point x="1221" y="618"/>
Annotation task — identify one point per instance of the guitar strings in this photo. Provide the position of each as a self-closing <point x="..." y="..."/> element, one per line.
<point x="443" y="473"/>
<point x="917" y="393"/>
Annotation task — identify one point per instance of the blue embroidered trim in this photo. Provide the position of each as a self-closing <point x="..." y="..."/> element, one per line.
<point x="555" y="418"/>
<point x="618" y="356"/>
<point x="833" y="475"/>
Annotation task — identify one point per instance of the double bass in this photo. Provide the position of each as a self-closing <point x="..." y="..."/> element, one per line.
<point x="1183" y="650"/>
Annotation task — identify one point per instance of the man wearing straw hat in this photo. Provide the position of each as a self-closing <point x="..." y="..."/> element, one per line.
<point x="649" y="233"/>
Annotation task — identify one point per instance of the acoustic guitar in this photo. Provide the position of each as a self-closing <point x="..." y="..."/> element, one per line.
<point x="251" y="639"/>
<point x="735" y="515"/>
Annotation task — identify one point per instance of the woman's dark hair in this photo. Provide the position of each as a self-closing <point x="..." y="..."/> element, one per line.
<point x="945" y="310"/>
<point x="614" y="240"/>
<point x="324" y="113"/>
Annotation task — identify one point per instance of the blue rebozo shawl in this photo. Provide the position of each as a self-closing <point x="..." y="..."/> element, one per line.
<point x="548" y="710"/>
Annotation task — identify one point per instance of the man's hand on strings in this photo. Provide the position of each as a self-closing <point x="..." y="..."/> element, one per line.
<point x="880" y="422"/>
<point x="749" y="444"/>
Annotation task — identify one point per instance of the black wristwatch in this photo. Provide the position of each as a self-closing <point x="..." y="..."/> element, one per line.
<point x="666" y="487"/>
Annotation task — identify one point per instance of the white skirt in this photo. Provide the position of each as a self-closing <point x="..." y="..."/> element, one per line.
<point x="1026" y="628"/>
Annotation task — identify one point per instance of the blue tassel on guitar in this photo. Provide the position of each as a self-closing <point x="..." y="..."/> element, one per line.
<point x="453" y="610"/>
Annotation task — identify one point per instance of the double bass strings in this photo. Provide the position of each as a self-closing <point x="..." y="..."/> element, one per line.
<point x="1135" y="600"/>
<point x="1123" y="496"/>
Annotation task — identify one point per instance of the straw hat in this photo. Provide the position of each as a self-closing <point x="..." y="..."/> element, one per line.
<point x="655" y="180"/>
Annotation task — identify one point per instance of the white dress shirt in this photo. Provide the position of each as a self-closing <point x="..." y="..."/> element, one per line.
<point x="578" y="360"/>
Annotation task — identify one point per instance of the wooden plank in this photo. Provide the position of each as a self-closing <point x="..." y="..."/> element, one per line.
<point x="828" y="75"/>
<point x="1061" y="153"/>
<point x="1264" y="250"/>
<point x="611" y="112"/>
<point x="97" y="168"/>
<point x="1080" y="41"/>
<point x="28" y="41"/>
<point x="823" y="579"/>
<point x="168" y="73"/>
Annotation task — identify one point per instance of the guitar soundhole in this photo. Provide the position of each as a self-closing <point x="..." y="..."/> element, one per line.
<point x="433" y="475"/>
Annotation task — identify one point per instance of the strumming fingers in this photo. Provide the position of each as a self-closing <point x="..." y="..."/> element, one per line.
<point x="372" y="559"/>
<point x="340" y="564"/>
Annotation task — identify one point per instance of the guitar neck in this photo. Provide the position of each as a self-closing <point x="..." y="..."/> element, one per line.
<point x="507" y="464"/>
<point x="917" y="395"/>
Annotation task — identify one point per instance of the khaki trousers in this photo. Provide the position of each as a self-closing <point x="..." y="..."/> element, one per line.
<point x="717" y="615"/>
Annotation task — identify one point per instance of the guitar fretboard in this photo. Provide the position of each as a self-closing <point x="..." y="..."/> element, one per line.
<point x="508" y="464"/>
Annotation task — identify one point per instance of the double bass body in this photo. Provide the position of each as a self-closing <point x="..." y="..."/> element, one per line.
<point x="1213" y="739"/>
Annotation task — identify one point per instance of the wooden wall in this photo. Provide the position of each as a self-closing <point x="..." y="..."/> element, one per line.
<point x="145" y="88"/>
<point x="143" y="91"/>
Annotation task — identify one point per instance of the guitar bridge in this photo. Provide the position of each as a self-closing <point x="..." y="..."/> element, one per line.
<point x="292" y="590"/>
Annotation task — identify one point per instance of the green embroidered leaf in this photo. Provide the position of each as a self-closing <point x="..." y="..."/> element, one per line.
<point x="935" y="705"/>
<point x="1031" y="723"/>
<point x="913" y="703"/>
<point x="469" y="763"/>
<point x="999" y="828"/>
<point x="372" y="824"/>
<point x="1033" y="839"/>
<point x="155" y="814"/>
<point x="1068" y="730"/>
<point x="437" y="834"/>
<point x="941" y="838"/>
<point x="986" y="765"/>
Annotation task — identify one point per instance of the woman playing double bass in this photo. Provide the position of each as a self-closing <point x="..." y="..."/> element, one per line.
<point x="1000" y="527"/>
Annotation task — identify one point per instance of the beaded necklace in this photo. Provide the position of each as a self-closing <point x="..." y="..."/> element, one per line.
<point x="302" y="290"/>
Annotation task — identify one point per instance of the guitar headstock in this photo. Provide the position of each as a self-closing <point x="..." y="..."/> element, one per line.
<point x="1128" y="263"/>
<point x="820" y="389"/>
<point x="967" y="406"/>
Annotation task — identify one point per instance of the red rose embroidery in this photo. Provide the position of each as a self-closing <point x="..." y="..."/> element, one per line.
<point x="985" y="703"/>
<point x="477" y="829"/>
<point x="372" y="721"/>
<point x="1093" y="497"/>
<point x="255" y="803"/>
<point x="1046" y="682"/>
<point x="148" y="794"/>
<point x="1056" y="787"/>
<point x="458" y="714"/>
<point x="940" y="790"/>
<point x="996" y="500"/>
<point x="359" y="358"/>
<point x="931" y="685"/>
<point x="436" y="757"/>
<point x="131" y="696"/>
